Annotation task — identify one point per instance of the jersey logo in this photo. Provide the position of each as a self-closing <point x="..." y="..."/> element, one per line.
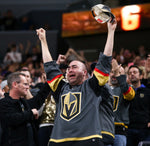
<point x="141" y="95"/>
<point x="70" y="105"/>
<point x="116" y="101"/>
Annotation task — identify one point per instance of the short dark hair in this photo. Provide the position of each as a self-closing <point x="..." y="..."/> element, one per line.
<point x="140" y="71"/>
<point x="13" y="45"/>
<point x="14" y="77"/>
<point x="24" y="69"/>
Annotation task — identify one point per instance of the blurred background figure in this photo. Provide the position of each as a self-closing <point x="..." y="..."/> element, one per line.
<point x="9" y="21"/>
<point x="13" y="56"/>
<point x="3" y="88"/>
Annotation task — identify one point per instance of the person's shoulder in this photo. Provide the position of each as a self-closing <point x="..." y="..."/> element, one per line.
<point x="3" y="102"/>
<point x="144" y="89"/>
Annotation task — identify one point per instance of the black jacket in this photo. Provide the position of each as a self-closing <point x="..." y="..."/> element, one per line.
<point x="16" y="117"/>
<point x="139" y="111"/>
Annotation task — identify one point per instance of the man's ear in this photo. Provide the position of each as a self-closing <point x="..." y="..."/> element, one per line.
<point x="141" y="77"/>
<point x="14" y="84"/>
<point x="85" y="72"/>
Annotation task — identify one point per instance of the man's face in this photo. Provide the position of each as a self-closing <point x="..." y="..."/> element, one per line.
<point x="28" y="76"/>
<point x="113" y="79"/>
<point x="22" y="86"/>
<point x="76" y="73"/>
<point x="134" y="75"/>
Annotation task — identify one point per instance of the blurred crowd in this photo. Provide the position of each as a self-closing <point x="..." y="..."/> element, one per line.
<point x="18" y="56"/>
<point x="29" y="55"/>
<point x="9" y="22"/>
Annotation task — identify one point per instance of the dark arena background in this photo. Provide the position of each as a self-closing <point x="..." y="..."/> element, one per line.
<point x="69" y="23"/>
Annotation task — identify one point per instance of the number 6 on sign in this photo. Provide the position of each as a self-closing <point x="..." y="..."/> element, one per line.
<point x="130" y="17"/>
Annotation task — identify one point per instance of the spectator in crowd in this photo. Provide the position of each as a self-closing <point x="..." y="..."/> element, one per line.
<point x="17" y="114"/>
<point x="137" y="60"/>
<point x="77" y="101"/>
<point x="10" y="69"/>
<point x="35" y="56"/>
<point x="25" y="23"/>
<point x="139" y="111"/>
<point x="120" y="56"/>
<point x="24" y="50"/>
<point x="127" y="56"/>
<point x="46" y="112"/>
<point x="142" y="52"/>
<point x="27" y="74"/>
<point x="3" y="88"/>
<point x="123" y="94"/>
<point x="9" y="21"/>
<point x="13" y="56"/>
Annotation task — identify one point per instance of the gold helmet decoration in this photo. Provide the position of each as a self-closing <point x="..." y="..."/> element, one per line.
<point x="102" y="13"/>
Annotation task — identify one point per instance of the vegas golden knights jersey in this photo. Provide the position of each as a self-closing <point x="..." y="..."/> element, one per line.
<point x="77" y="107"/>
<point x="123" y="94"/>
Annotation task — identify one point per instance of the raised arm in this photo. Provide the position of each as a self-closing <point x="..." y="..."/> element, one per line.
<point x="110" y="38"/>
<point x="45" y="51"/>
<point x="127" y="91"/>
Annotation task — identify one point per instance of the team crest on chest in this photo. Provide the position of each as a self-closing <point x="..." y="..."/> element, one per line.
<point x="141" y="95"/>
<point x="70" y="105"/>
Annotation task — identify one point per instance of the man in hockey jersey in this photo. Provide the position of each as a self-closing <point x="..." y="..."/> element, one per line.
<point x="77" y="117"/>
<point x="123" y="94"/>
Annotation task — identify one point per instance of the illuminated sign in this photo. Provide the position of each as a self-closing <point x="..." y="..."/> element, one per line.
<point x="129" y="18"/>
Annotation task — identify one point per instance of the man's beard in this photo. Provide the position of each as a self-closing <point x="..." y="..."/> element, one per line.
<point x="114" y="82"/>
<point x="134" y="81"/>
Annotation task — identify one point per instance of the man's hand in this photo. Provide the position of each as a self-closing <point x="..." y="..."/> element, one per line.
<point x="45" y="51"/>
<point x="35" y="113"/>
<point x="61" y="59"/>
<point x="41" y="34"/>
<point x="115" y="67"/>
<point x="121" y="70"/>
<point x="112" y="26"/>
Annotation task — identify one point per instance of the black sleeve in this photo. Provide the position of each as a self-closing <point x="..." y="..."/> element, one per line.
<point x="39" y="99"/>
<point x="10" y="114"/>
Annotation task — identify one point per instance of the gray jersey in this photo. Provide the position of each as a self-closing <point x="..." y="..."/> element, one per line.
<point x="122" y="95"/>
<point x="106" y="115"/>
<point x="77" y="115"/>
